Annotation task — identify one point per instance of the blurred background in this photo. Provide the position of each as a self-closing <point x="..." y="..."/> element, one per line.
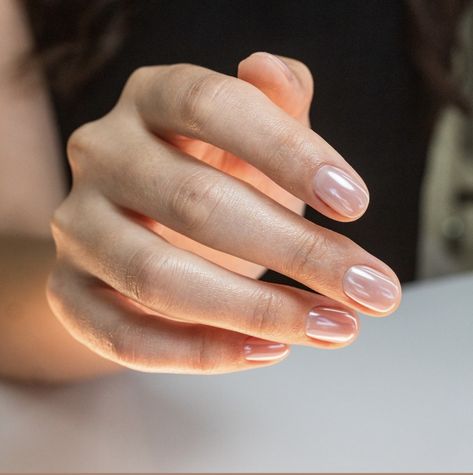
<point x="392" y="94"/>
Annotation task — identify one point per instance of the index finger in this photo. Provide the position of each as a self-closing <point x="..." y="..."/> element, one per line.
<point x="236" y="116"/>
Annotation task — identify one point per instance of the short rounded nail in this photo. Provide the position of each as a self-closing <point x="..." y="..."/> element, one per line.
<point x="371" y="288"/>
<point x="333" y="325"/>
<point x="340" y="191"/>
<point x="278" y="62"/>
<point x="263" y="350"/>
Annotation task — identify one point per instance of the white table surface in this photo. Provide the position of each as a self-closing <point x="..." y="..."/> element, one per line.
<point x="399" y="399"/>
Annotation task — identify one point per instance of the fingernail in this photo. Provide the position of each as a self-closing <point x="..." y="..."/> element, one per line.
<point x="263" y="350"/>
<point x="280" y="63"/>
<point x="371" y="288"/>
<point x="340" y="191"/>
<point x="333" y="325"/>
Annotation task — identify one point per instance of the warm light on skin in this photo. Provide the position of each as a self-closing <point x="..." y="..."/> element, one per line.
<point x="34" y="346"/>
<point x="245" y="172"/>
<point x="204" y="319"/>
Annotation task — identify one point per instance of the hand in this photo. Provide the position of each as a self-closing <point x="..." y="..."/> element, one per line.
<point x="182" y="194"/>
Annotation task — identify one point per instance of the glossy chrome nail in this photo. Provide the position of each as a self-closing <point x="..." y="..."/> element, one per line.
<point x="340" y="191"/>
<point x="371" y="288"/>
<point x="333" y="325"/>
<point x="256" y="349"/>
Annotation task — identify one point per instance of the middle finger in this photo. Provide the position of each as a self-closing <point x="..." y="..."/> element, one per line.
<point x="181" y="285"/>
<point x="157" y="180"/>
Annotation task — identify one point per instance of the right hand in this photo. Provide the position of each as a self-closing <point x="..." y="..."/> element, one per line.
<point x="182" y="195"/>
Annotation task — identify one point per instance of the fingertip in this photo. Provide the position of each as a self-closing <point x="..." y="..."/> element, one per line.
<point x="277" y="62"/>
<point x="376" y="292"/>
<point x="281" y="80"/>
<point x="342" y="192"/>
<point x="263" y="68"/>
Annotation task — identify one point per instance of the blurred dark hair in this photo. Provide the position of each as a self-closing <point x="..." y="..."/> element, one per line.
<point x="74" y="38"/>
<point x="432" y="35"/>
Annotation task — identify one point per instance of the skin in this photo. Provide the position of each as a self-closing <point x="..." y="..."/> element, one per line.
<point x="34" y="346"/>
<point x="183" y="194"/>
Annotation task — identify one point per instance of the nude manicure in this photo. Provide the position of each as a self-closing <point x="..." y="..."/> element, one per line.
<point x="263" y="350"/>
<point x="371" y="288"/>
<point x="340" y="191"/>
<point x="333" y="325"/>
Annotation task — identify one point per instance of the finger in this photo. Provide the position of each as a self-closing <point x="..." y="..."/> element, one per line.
<point x="236" y="116"/>
<point x="113" y="327"/>
<point x="182" y="285"/>
<point x="226" y="214"/>
<point x="286" y="81"/>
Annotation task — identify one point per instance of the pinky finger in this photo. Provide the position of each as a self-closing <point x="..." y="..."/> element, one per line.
<point x="112" y="326"/>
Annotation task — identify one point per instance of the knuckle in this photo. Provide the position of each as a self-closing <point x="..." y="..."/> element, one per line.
<point x="123" y="343"/>
<point x="265" y="317"/>
<point x="202" y="357"/>
<point x="178" y="70"/>
<point x="196" y="98"/>
<point x="54" y="290"/>
<point x="310" y="248"/>
<point x="196" y="199"/>
<point x="80" y="146"/>
<point x="138" y="78"/>
<point x="60" y="222"/>
<point x="142" y="82"/>
<point x="287" y="143"/>
<point x="140" y="73"/>
<point x="70" y="218"/>
<point x="149" y="278"/>
<point x="140" y="272"/>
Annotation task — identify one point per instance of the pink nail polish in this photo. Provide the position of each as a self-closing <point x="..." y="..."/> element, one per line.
<point x="263" y="350"/>
<point x="340" y="191"/>
<point x="333" y="325"/>
<point x="371" y="288"/>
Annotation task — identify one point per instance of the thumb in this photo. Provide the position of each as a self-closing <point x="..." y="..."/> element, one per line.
<point x="286" y="81"/>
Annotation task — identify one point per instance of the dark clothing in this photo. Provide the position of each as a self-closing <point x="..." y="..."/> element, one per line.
<point x="368" y="101"/>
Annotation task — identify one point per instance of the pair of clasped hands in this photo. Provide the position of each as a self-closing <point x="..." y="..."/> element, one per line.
<point x="183" y="194"/>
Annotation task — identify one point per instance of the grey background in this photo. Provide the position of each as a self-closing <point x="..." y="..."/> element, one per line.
<point x="399" y="399"/>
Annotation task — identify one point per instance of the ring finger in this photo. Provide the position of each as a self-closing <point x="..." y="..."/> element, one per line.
<point x="182" y="285"/>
